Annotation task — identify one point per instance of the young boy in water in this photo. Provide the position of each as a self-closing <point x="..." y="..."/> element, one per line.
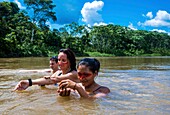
<point x="87" y="70"/>
<point x="53" y="65"/>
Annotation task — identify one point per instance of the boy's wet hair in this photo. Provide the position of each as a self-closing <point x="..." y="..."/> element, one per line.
<point x="70" y="56"/>
<point x="92" y="63"/>
<point x="54" y="58"/>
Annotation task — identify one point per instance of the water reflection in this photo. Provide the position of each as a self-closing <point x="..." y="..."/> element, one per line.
<point x="139" y="85"/>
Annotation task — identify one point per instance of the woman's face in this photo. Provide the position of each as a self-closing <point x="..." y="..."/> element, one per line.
<point x="85" y="76"/>
<point x="63" y="62"/>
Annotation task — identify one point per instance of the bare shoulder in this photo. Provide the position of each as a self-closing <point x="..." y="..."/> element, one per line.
<point x="103" y="89"/>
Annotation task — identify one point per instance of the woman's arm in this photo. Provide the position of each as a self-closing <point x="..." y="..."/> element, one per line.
<point x="24" y="84"/>
<point x="44" y="81"/>
<point x="73" y="85"/>
<point x="81" y="91"/>
<point x="103" y="91"/>
<point x="71" y="75"/>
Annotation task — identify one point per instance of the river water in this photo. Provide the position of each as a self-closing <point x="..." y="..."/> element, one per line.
<point x="139" y="85"/>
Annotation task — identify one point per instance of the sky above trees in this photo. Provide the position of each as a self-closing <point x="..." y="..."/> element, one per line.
<point x="151" y="15"/>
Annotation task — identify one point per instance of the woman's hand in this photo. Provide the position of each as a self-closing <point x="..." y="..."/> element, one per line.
<point x="65" y="87"/>
<point x="64" y="92"/>
<point x="22" y="85"/>
<point x="67" y="84"/>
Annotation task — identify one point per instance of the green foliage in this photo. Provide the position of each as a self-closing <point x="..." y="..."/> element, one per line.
<point x="42" y="11"/>
<point x="21" y="36"/>
<point x="122" y="41"/>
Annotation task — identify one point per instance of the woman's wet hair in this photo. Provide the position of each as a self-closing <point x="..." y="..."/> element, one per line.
<point x="54" y="58"/>
<point x="92" y="63"/>
<point x="71" y="57"/>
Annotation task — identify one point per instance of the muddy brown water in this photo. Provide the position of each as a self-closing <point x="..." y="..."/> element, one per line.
<point x="139" y="85"/>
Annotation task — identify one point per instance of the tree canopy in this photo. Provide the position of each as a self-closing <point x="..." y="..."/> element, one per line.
<point x="22" y="35"/>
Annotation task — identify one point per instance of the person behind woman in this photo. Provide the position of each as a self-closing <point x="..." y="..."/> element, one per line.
<point x="54" y="64"/>
<point x="87" y="69"/>
<point x="67" y="65"/>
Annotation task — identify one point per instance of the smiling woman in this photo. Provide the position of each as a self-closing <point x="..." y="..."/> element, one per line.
<point x="87" y="69"/>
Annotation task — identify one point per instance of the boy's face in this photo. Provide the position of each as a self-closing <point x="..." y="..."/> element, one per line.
<point x="53" y="65"/>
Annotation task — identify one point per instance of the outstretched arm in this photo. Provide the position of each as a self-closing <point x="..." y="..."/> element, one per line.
<point x="71" y="75"/>
<point x="24" y="84"/>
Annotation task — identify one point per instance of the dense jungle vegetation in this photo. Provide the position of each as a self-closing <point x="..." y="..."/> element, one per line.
<point x="22" y="35"/>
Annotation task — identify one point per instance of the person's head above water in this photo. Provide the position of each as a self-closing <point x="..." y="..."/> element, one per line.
<point x="88" y="69"/>
<point x="54" y="63"/>
<point x="92" y="63"/>
<point x="67" y="59"/>
<point x="54" y="58"/>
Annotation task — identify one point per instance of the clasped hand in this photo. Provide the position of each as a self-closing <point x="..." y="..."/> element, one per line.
<point x="65" y="87"/>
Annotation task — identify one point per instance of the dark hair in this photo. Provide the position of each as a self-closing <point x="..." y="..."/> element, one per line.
<point x="71" y="57"/>
<point x="54" y="58"/>
<point x="92" y="63"/>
